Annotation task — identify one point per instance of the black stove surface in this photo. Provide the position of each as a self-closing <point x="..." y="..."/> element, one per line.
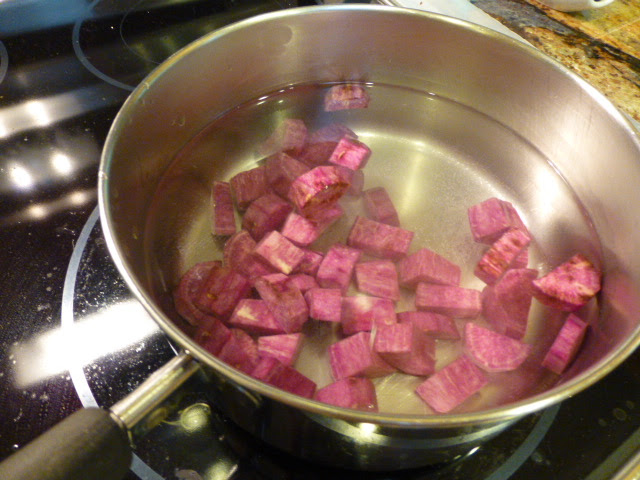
<point x="72" y="335"/>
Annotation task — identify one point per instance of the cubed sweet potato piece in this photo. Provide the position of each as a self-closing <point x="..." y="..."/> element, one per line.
<point x="187" y="291"/>
<point x="248" y="185"/>
<point x="221" y="291"/>
<point x="303" y="281"/>
<point x="310" y="263"/>
<point x="318" y="153"/>
<point x="452" y="385"/>
<point x="566" y="345"/>
<point x="492" y="351"/>
<point x="570" y="285"/>
<point x="285" y="301"/>
<point x="379" y="239"/>
<point x="350" y="153"/>
<point x="378" y="278"/>
<point x="353" y="356"/>
<point x="324" y="304"/>
<point x="425" y="265"/>
<point x="212" y="334"/>
<point x="379" y="206"/>
<point x="501" y="255"/>
<point x="318" y="189"/>
<point x="284" y="347"/>
<point x="437" y="325"/>
<point x="358" y="393"/>
<point x="331" y="133"/>
<point x="406" y="347"/>
<point x="346" y="97"/>
<point x="223" y="220"/>
<point x="300" y="230"/>
<point x="264" y="214"/>
<point x="337" y="267"/>
<point x="490" y="219"/>
<point x="506" y="304"/>
<point x="281" y="170"/>
<point x="254" y="316"/>
<point x="451" y="300"/>
<point x="276" y="250"/>
<point x="238" y="254"/>
<point x="363" y="313"/>
<point x="290" y="136"/>
<point x="270" y="370"/>
<point x="240" y="351"/>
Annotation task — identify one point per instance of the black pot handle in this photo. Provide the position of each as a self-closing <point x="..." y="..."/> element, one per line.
<point x="88" y="444"/>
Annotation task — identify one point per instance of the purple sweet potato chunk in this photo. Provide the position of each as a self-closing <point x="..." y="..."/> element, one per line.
<point x="566" y="345"/>
<point x="324" y="218"/>
<point x="318" y="189"/>
<point x="248" y="185"/>
<point x="284" y="347"/>
<point x="425" y="265"/>
<point x="310" y="262"/>
<point x="490" y="219"/>
<point x="221" y="291"/>
<point x="379" y="206"/>
<point x="212" y="334"/>
<point x="337" y="267"/>
<point x="570" y="285"/>
<point x="300" y="230"/>
<point x="353" y="356"/>
<point x="187" y="291"/>
<point x="317" y="153"/>
<point x="254" y="316"/>
<point x="238" y="254"/>
<point x="506" y="304"/>
<point x="356" y="180"/>
<point x="266" y="367"/>
<point x="346" y="97"/>
<point x="276" y="250"/>
<point x="264" y="214"/>
<point x="331" y="133"/>
<point x="289" y="136"/>
<point x="491" y="351"/>
<point x="281" y="170"/>
<point x="451" y="386"/>
<point x="379" y="239"/>
<point x="501" y="255"/>
<point x="285" y="377"/>
<point x="357" y="393"/>
<point x="303" y="282"/>
<point x="324" y="304"/>
<point x="451" y="300"/>
<point x="285" y="301"/>
<point x="437" y="325"/>
<point x="378" y="278"/>
<point x="240" y="351"/>
<point x="522" y="260"/>
<point x="363" y="313"/>
<point x="223" y="221"/>
<point x="350" y="153"/>
<point x="291" y="380"/>
<point x="406" y="347"/>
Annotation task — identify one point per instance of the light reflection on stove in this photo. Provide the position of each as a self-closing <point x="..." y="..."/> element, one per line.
<point x="81" y="343"/>
<point x="40" y="211"/>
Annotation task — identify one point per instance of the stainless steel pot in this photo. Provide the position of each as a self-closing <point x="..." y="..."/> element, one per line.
<point x="463" y="113"/>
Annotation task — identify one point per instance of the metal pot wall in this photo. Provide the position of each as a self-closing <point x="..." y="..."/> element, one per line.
<point x="516" y="122"/>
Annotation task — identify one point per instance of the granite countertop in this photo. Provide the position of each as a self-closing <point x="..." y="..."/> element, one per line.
<point x="602" y="45"/>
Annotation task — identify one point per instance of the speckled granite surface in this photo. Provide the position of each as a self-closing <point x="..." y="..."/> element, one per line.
<point x="601" y="45"/>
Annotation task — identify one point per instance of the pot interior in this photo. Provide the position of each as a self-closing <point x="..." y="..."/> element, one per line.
<point x="457" y="115"/>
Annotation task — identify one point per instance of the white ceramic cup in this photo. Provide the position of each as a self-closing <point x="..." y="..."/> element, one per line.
<point x="575" y="5"/>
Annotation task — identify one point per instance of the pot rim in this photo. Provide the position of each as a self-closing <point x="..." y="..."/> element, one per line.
<point x="499" y="414"/>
